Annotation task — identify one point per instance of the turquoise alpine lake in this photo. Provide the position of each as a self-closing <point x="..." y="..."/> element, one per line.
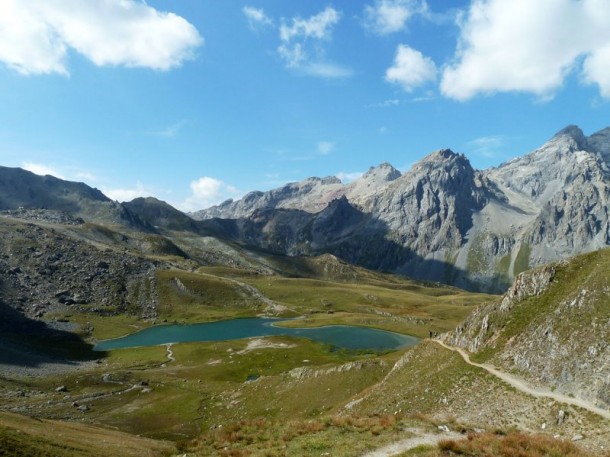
<point x="342" y="336"/>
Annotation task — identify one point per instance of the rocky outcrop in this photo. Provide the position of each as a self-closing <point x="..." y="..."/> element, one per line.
<point x="43" y="271"/>
<point x="430" y="207"/>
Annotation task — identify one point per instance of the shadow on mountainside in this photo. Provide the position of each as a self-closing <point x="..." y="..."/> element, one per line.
<point x="347" y="233"/>
<point x="26" y="342"/>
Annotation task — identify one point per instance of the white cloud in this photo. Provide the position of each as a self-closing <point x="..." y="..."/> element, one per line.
<point x="382" y="130"/>
<point x="390" y="16"/>
<point x="68" y="173"/>
<point x="347" y="177"/>
<point x="35" y="35"/>
<point x="325" y="147"/>
<point x="529" y="47"/>
<point x="293" y="54"/>
<point x="126" y="195"/>
<point x="41" y="169"/>
<point x="410" y="68"/>
<point x="256" y="17"/>
<point x="301" y="44"/>
<point x="207" y="191"/>
<point x="596" y="69"/>
<point x="318" y="26"/>
<point x="429" y="95"/>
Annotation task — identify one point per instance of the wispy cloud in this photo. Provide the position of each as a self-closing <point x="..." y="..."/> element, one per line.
<point x="325" y="147"/>
<point x="487" y="146"/>
<point x="428" y="96"/>
<point x="256" y="17"/>
<point x="302" y="41"/>
<point x="317" y="27"/>
<point x="389" y="16"/>
<point x="42" y="169"/>
<point x="36" y="37"/>
<point x="170" y="131"/>
<point x="386" y="103"/>
<point x="327" y="70"/>
<point x="86" y="176"/>
<point x="301" y="44"/>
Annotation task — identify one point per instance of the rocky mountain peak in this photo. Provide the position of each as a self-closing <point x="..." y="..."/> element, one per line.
<point x="442" y="158"/>
<point x="384" y="171"/>
<point x="441" y="166"/>
<point x="574" y="133"/>
<point x="539" y="175"/>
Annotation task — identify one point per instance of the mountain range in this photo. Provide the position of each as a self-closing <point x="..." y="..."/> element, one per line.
<point x="442" y="220"/>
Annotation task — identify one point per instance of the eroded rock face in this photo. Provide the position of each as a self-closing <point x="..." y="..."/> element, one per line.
<point x="429" y="208"/>
<point x="43" y="271"/>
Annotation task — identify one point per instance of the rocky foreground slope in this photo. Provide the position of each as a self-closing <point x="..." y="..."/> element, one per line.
<point x="44" y="271"/>
<point x="442" y="220"/>
<point x="551" y="327"/>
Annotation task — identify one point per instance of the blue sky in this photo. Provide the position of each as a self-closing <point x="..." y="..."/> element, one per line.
<point x="194" y="102"/>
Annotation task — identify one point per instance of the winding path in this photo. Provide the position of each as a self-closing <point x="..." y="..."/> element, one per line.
<point x="526" y="388"/>
<point x="170" y="354"/>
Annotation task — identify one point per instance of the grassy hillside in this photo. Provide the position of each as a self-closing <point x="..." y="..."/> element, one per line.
<point x="22" y="436"/>
<point x="552" y="327"/>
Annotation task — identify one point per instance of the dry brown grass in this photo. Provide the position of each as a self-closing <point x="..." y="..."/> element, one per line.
<point x="511" y="445"/>
<point x="298" y="437"/>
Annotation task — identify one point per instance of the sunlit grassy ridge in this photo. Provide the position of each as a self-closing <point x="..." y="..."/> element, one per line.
<point x="25" y="437"/>
<point x="582" y="280"/>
